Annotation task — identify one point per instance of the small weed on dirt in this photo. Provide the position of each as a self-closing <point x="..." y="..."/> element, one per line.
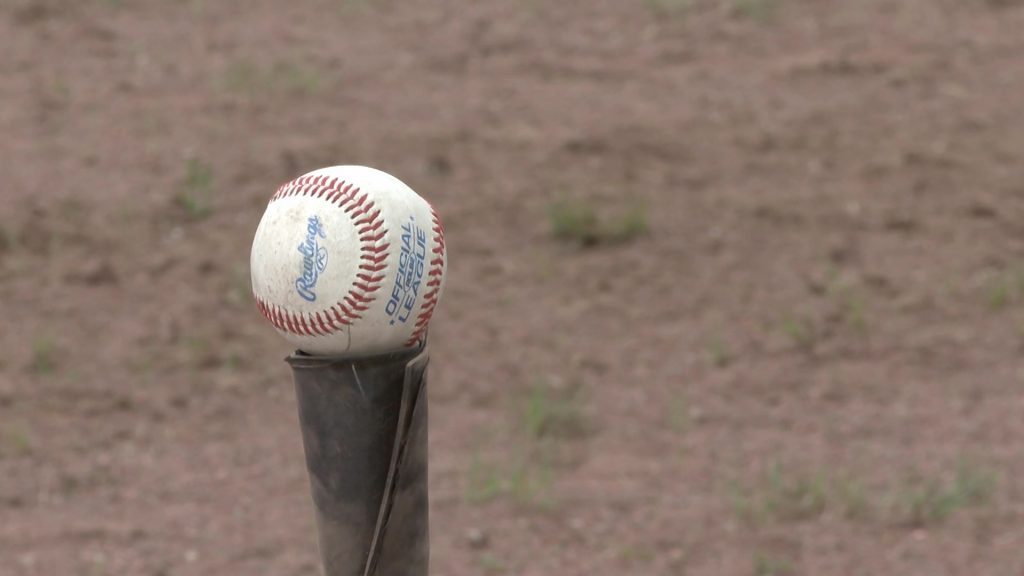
<point x="43" y="356"/>
<point x="574" y="221"/>
<point x="679" y="413"/>
<point x="6" y="239"/>
<point x="578" y="222"/>
<point x="242" y="76"/>
<point x="530" y="481"/>
<point x="15" y="441"/>
<point x="524" y="480"/>
<point x="765" y="565"/>
<point x="491" y="564"/>
<point x="631" y="553"/>
<point x="281" y="77"/>
<point x="999" y="295"/>
<point x="719" y="353"/>
<point x="554" y="414"/>
<point x="673" y="7"/>
<point x="239" y="288"/>
<point x="196" y="194"/>
<point x="757" y="10"/>
<point x="787" y="496"/>
<point x="853" y="498"/>
<point x="930" y="501"/>
<point x="793" y="497"/>
<point x="1005" y="290"/>
<point x="296" y="78"/>
<point x="486" y="481"/>
<point x="800" y="331"/>
<point x="782" y="495"/>
<point x="548" y="418"/>
<point x="850" y="304"/>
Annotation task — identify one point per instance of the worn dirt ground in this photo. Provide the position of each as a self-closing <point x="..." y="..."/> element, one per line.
<point x="794" y="347"/>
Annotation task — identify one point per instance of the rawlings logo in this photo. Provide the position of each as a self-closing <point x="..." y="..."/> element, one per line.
<point x="410" y="273"/>
<point x="314" y="259"/>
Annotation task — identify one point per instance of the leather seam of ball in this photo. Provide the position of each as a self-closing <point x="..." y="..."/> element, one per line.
<point x="435" y="274"/>
<point x="373" y="256"/>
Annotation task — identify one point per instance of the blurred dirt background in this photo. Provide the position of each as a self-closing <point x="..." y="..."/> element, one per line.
<point x="736" y="287"/>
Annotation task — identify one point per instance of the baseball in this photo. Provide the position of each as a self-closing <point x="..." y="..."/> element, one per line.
<point x="348" y="260"/>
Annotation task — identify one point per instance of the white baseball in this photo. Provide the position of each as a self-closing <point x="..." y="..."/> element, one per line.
<point x="348" y="260"/>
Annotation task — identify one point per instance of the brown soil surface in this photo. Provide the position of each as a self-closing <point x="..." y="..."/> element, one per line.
<point x="807" y="361"/>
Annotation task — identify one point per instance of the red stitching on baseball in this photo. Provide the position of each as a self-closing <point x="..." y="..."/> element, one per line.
<point x="369" y="218"/>
<point x="343" y="313"/>
<point x="436" y="271"/>
<point x="371" y="227"/>
<point x="364" y="209"/>
<point x="376" y="249"/>
<point x="333" y="197"/>
<point x="337" y="316"/>
<point x="323" y="326"/>
<point x="375" y="258"/>
<point x="301" y="321"/>
<point x="362" y="198"/>
<point x="277" y="318"/>
<point x="354" y="305"/>
<point x="289" y="321"/>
